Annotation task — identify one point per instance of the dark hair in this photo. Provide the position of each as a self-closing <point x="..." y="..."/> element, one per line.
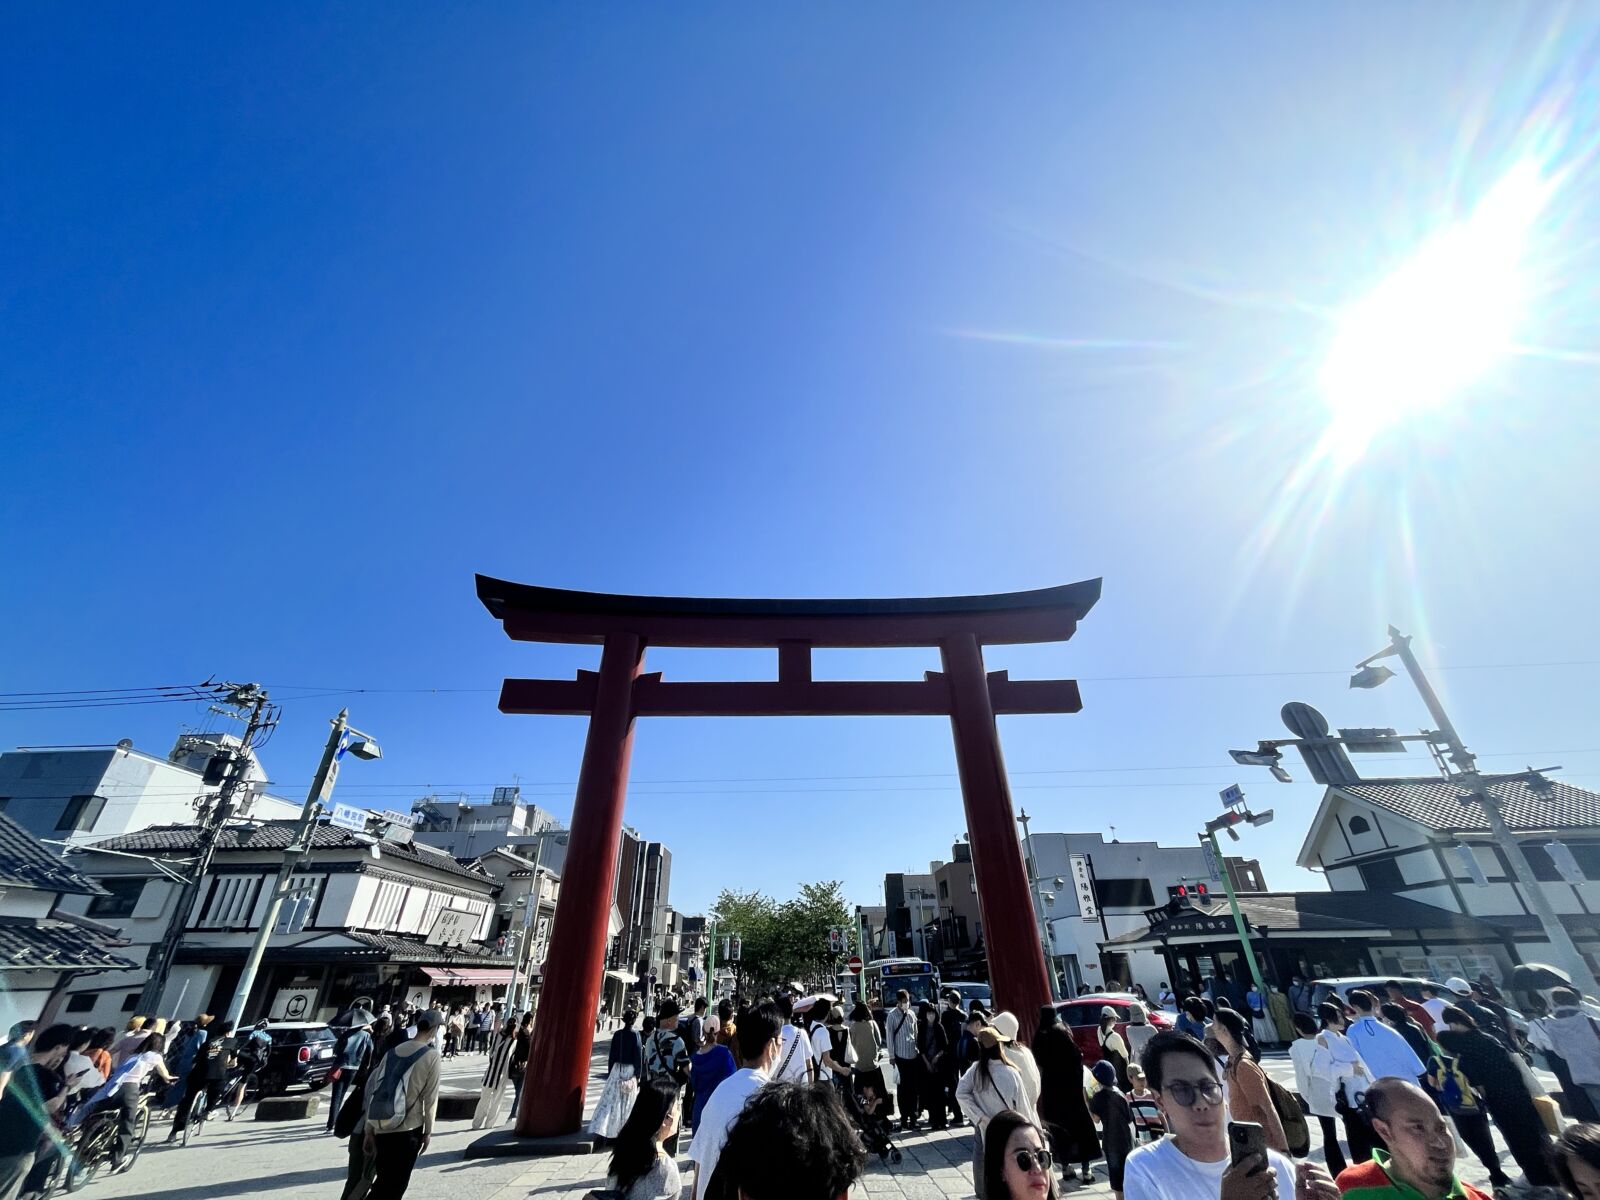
<point x="1408" y="1029"/>
<point x="156" y="1042"/>
<point x="629" y="1016"/>
<point x="646" y="1026"/>
<point x="53" y="1038"/>
<point x="861" y="1012"/>
<point x="667" y="1009"/>
<point x="225" y="1027"/>
<point x="1581" y="1142"/>
<point x="900" y="995"/>
<point x="1457" y="1016"/>
<point x="995" y="1137"/>
<point x="1234" y="1024"/>
<point x="755" y="1029"/>
<point x="1305" y="1023"/>
<point x="22" y="1029"/>
<point x="701" y="1004"/>
<point x="1362" y="1001"/>
<point x="1171" y="1042"/>
<point x="792" y="1141"/>
<point x="635" y="1151"/>
<point x="1048" y="1016"/>
<point x="1211" y="1009"/>
<point x="80" y="1038"/>
<point x="1329" y="1012"/>
<point x="724" y="1009"/>
<point x="1393" y="984"/>
<point x="784" y="1005"/>
<point x="102" y="1039"/>
<point x="1195" y="1008"/>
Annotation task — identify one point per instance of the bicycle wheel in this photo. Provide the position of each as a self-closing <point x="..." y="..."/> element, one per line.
<point x="241" y="1095"/>
<point x="197" y="1117"/>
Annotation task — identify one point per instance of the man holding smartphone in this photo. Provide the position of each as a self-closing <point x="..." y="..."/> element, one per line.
<point x="1194" y="1161"/>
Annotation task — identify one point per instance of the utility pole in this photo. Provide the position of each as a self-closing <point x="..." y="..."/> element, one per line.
<point x="711" y="957"/>
<point x="339" y="740"/>
<point x="1209" y="837"/>
<point x="1560" y="940"/>
<point x="1048" y="940"/>
<point x="215" y="812"/>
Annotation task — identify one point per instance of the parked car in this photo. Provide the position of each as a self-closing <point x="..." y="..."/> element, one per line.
<point x="1081" y="1015"/>
<point x="1344" y="985"/>
<point x="969" y="992"/>
<point x="302" y="1053"/>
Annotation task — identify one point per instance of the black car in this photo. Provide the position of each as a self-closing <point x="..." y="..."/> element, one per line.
<point x="302" y="1053"/>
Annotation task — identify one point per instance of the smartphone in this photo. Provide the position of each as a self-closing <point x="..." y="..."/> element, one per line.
<point x="1246" y="1139"/>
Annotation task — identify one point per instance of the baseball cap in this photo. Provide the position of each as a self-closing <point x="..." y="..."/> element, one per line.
<point x="431" y="1017"/>
<point x="1458" y="985"/>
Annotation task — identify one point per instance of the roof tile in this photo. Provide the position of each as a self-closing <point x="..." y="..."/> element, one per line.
<point x="1528" y="805"/>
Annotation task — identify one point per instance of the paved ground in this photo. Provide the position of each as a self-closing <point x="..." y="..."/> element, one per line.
<point x="279" y="1161"/>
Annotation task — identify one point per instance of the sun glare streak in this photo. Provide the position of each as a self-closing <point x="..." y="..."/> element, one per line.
<point x="1046" y="342"/>
<point x="1438" y="323"/>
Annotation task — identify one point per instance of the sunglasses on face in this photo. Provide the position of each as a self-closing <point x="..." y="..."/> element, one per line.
<point x="1185" y="1094"/>
<point x="1028" y="1159"/>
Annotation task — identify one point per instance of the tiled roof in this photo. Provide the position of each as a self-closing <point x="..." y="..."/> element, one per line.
<point x="27" y="862"/>
<point x="51" y="946"/>
<point x="1530" y="805"/>
<point x="415" y="950"/>
<point x="1289" y="913"/>
<point x="275" y="835"/>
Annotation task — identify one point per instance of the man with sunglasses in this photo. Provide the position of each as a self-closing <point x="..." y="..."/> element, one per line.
<point x="1192" y="1162"/>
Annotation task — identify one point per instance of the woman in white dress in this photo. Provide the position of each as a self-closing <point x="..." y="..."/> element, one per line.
<point x="1339" y="1059"/>
<point x="624" y="1064"/>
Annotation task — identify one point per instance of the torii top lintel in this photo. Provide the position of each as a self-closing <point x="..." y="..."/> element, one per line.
<point x="540" y="614"/>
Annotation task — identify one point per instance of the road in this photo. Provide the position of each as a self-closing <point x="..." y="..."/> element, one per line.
<point x="280" y="1160"/>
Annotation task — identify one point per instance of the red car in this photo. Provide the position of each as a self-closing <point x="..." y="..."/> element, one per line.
<point x="1081" y="1014"/>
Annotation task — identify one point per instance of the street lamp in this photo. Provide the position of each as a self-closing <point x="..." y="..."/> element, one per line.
<point x="1235" y="814"/>
<point x="341" y="741"/>
<point x="1468" y="775"/>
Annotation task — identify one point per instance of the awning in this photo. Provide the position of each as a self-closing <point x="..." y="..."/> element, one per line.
<point x="622" y="976"/>
<point x="467" y="976"/>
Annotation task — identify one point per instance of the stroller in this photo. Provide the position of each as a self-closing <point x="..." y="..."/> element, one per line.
<point x="866" y="1109"/>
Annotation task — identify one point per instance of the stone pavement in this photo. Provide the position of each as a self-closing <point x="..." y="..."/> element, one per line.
<point x="289" y="1160"/>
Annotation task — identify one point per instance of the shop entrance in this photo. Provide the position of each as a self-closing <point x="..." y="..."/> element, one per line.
<point x="612" y="697"/>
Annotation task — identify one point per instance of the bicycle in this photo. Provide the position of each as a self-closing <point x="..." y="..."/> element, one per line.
<point x="199" y="1106"/>
<point x="240" y="1093"/>
<point x="97" y="1142"/>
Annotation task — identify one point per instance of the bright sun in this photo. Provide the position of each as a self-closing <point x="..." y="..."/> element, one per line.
<point x="1436" y="324"/>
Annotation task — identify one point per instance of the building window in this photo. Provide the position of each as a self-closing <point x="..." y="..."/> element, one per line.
<point x="1544" y="867"/>
<point x="1587" y="855"/>
<point x="120" y="903"/>
<point x="82" y="1002"/>
<point x="1382" y="876"/>
<point x="4" y="801"/>
<point x="1359" y="825"/>
<point x="80" y="814"/>
<point x="1125" y="893"/>
<point x="130" y="1002"/>
<point x="944" y="889"/>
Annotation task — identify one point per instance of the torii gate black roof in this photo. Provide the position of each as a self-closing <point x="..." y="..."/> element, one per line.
<point x="541" y="614"/>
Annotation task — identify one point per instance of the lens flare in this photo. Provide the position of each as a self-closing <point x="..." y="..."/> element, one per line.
<point x="1435" y="325"/>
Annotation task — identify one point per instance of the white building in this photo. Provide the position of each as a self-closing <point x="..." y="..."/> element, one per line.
<point x="1128" y="879"/>
<point x="83" y="793"/>
<point x="363" y="930"/>
<point x="468" y="830"/>
<point x="43" y="949"/>
<point x="1420" y="840"/>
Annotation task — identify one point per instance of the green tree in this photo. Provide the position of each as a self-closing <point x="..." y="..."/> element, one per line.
<point x="787" y="942"/>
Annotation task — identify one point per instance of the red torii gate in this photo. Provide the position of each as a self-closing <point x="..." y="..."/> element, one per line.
<point x="960" y="626"/>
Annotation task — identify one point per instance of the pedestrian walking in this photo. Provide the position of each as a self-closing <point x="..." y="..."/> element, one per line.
<point x="1109" y="1106"/>
<point x="900" y="1031"/>
<point x="1021" y="1057"/>
<point x="1248" y="1098"/>
<point x="1315" y="1082"/>
<point x="954" y="1023"/>
<point x="1418" y="1013"/>
<point x="666" y="1058"/>
<point x="726" y="1025"/>
<point x="1453" y="1091"/>
<point x="624" y="1069"/>
<point x="350" y="1123"/>
<point x="1399" y="1020"/>
<point x="1488" y="1065"/>
<point x="517" y="1065"/>
<point x="402" y="1097"/>
<point x="1351" y="1079"/>
<point x="868" y="1044"/>
<point x="641" y="1169"/>
<point x="1385" y="1052"/>
<point x="33" y="1092"/>
<point x="1146" y="1109"/>
<point x="1572" y="1036"/>
<point x="1463" y="996"/>
<point x="796" y="1063"/>
<point x="1137" y="1033"/>
<point x="1113" y="1048"/>
<point x="759" y="1039"/>
<point x="990" y="1086"/>
<point x="1256" y="1009"/>
<point x="1016" y="1164"/>
<point x="934" y="1050"/>
<point x="711" y="1063"/>
<point x="1192" y="1018"/>
<point x="1063" y="1107"/>
<point x="353" y="1054"/>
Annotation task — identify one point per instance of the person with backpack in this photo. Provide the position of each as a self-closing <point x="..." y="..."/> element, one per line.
<point x="1248" y="1099"/>
<point x="353" y="1052"/>
<point x="1450" y="1088"/>
<point x="666" y="1058"/>
<point x="402" y="1097"/>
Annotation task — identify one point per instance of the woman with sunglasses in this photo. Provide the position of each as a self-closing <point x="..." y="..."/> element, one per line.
<point x="1016" y="1166"/>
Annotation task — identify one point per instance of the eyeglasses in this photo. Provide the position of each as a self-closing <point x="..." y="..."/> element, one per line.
<point x="1028" y="1159"/>
<point x="1185" y="1093"/>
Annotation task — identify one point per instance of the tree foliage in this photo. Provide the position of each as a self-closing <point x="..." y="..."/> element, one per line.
<point x="786" y="942"/>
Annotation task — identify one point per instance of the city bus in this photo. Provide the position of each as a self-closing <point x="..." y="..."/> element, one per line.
<point x="883" y="977"/>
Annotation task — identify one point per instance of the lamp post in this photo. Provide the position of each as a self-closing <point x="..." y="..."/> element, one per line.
<point x="342" y="740"/>
<point x="1467" y="774"/>
<point x="1227" y="821"/>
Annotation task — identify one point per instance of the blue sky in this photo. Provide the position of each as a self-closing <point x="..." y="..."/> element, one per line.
<point x="310" y="313"/>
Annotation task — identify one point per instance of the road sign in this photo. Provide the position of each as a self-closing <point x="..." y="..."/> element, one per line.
<point x="855" y="964"/>
<point x="1211" y="861"/>
<point x="1232" y="795"/>
<point x="348" y="816"/>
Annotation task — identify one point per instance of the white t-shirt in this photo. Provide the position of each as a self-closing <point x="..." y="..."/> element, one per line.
<point x="718" y="1116"/>
<point x="143" y="1064"/>
<point x="1160" y="1171"/>
<point x="792" y="1067"/>
<point x="1436" y="1008"/>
